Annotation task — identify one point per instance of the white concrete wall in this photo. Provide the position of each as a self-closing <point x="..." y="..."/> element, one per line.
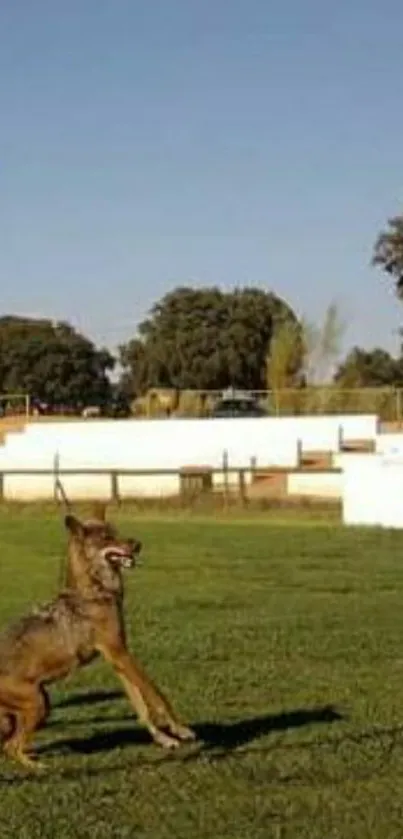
<point x="341" y="460"/>
<point x="148" y="486"/>
<point x="373" y="491"/>
<point x="28" y="487"/>
<point x="315" y="484"/>
<point x="264" y="438"/>
<point x="167" y="444"/>
<point x="41" y="487"/>
<point x="359" y="426"/>
<point x="373" y="484"/>
<point x="324" y="433"/>
<point x="389" y="444"/>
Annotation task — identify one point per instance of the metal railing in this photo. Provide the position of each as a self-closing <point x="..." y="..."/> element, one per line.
<point x="387" y="402"/>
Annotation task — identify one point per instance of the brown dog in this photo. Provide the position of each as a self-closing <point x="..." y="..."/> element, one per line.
<point x="86" y="619"/>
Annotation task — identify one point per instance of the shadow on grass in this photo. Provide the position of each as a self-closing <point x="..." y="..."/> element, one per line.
<point x="211" y="735"/>
<point x="91" y="697"/>
<point x="232" y="735"/>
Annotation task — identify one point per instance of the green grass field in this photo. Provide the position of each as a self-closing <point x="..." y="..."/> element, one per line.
<point x="281" y="642"/>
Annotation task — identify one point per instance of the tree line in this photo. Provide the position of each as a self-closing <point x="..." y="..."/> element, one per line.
<point x="197" y="339"/>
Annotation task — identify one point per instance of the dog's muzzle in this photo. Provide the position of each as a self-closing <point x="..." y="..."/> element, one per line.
<point x="125" y="555"/>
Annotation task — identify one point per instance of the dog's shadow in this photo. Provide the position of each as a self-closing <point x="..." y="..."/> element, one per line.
<point x="211" y="735"/>
<point x="92" y="697"/>
<point x="231" y="735"/>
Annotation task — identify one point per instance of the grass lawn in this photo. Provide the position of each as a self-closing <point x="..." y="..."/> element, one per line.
<point x="281" y="642"/>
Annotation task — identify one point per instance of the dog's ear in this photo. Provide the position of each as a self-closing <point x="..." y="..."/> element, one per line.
<point x="99" y="511"/>
<point x="74" y="526"/>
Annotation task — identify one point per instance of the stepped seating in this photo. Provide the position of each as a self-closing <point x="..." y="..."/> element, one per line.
<point x="257" y="445"/>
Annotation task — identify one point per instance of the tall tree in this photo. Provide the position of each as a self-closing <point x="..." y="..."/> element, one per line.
<point x="52" y="362"/>
<point x="388" y="252"/>
<point x="285" y="356"/>
<point x="306" y="349"/>
<point x="370" y="368"/>
<point x="204" y="339"/>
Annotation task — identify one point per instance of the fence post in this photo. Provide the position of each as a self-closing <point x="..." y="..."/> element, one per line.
<point x="299" y="453"/>
<point x="253" y="465"/>
<point x="1" y="486"/>
<point x="398" y="405"/>
<point x="242" y="493"/>
<point x="115" y="488"/>
<point x="225" y="471"/>
<point x="56" y="469"/>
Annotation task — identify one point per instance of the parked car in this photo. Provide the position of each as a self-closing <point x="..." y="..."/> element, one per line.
<point x="233" y="404"/>
<point x="119" y="407"/>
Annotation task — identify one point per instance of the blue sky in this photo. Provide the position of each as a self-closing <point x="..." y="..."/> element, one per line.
<point x="163" y="142"/>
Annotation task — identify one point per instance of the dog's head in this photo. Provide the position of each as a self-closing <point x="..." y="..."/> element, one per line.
<point x="99" y="542"/>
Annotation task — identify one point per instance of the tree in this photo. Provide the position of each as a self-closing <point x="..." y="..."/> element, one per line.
<point x="204" y="339"/>
<point x="388" y="252"/>
<point x="133" y="360"/>
<point x="304" y="353"/>
<point x="52" y="362"/>
<point x="369" y="368"/>
<point x="286" y="352"/>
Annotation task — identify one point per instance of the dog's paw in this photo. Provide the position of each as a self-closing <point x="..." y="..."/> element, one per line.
<point x="26" y="760"/>
<point x="165" y="740"/>
<point x="184" y="733"/>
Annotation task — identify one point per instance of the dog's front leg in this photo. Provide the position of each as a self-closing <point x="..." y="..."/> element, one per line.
<point x="161" y="710"/>
<point x="152" y="708"/>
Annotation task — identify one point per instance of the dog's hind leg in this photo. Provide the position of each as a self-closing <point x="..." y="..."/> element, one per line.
<point x="44" y="709"/>
<point x="29" y="706"/>
<point x="7" y="724"/>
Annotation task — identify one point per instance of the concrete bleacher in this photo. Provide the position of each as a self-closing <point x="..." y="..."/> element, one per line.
<point x="264" y="443"/>
<point x="373" y="484"/>
<point x="373" y="491"/>
<point x="123" y="445"/>
<point x="389" y="443"/>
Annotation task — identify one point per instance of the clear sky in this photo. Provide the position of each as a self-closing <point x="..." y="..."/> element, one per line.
<point x="163" y="142"/>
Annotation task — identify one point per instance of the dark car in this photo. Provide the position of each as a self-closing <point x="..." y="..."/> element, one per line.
<point x="238" y="405"/>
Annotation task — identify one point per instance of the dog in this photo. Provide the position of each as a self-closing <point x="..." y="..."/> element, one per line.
<point x="76" y="578"/>
<point x="85" y="620"/>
